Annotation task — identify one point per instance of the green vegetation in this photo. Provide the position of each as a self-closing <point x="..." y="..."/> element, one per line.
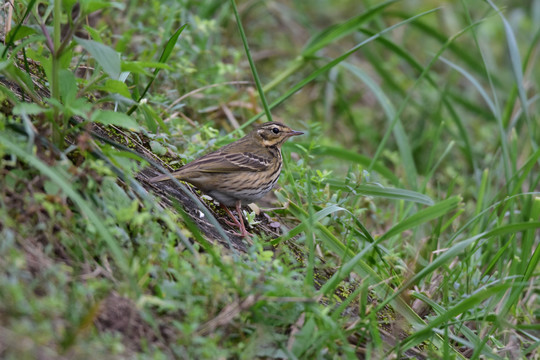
<point x="406" y="223"/>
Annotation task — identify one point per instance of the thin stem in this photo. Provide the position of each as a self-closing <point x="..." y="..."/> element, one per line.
<point x="58" y="131"/>
<point x="48" y="40"/>
<point x="251" y="62"/>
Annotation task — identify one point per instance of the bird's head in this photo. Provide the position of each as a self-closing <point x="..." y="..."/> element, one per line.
<point x="274" y="134"/>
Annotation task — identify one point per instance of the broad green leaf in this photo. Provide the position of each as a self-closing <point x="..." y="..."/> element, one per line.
<point x="79" y="106"/>
<point x="89" y="6"/>
<point x="140" y="67"/>
<point x="157" y="148"/>
<point x="28" y="109"/>
<point x="108" y="117"/>
<point x="23" y="32"/>
<point x="67" y="85"/>
<point x="169" y="47"/>
<point x="104" y="55"/>
<point x="118" y="87"/>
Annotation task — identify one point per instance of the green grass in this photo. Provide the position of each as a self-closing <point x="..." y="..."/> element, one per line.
<point x="409" y="211"/>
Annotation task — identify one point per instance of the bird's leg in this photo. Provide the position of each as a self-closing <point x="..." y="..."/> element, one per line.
<point x="241" y="216"/>
<point x="239" y="224"/>
<point x="235" y="221"/>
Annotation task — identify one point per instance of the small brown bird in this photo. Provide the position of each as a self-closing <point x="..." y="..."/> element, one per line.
<point x="241" y="172"/>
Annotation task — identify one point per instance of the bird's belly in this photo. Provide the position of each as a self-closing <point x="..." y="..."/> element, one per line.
<point x="248" y="189"/>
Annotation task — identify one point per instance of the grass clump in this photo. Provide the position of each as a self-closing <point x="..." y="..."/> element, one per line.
<point x="406" y="220"/>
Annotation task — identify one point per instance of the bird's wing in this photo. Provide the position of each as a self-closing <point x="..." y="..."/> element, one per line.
<point x="227" y="162"/>
<point x="223" y="160"/>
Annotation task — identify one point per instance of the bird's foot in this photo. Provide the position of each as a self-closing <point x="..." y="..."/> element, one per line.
<point x="235" y="223"/>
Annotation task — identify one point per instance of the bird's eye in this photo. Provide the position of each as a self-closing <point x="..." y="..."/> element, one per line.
<point x="275" y="130"/>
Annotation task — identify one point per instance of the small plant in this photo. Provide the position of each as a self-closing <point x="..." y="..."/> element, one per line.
<point x="408" y="212"/>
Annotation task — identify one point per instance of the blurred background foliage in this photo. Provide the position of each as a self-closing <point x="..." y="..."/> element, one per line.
<point x="415" y="186"/>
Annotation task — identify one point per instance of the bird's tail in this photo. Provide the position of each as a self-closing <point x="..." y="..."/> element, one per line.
<point x="159" y="178"/>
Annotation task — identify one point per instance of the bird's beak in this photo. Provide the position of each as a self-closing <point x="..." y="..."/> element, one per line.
<point x="294" y="133"/>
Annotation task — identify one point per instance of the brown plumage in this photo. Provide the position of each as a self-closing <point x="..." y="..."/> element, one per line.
<point x="241" y="172"/>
